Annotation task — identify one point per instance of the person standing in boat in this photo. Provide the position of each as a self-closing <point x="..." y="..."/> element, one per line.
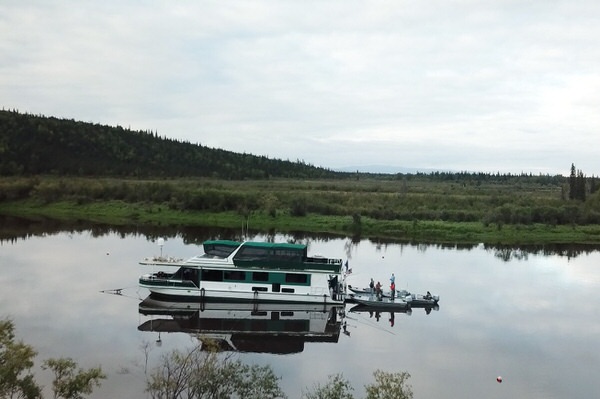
<point x="378" y="290"/>
<point x="372" y="285"/>
<point x="393" y="286"/>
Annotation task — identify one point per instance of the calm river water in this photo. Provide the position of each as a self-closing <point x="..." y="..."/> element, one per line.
<point x="529" y="315"/>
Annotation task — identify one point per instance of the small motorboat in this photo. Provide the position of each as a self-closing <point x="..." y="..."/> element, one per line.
<point x="419" y="300"/>
<point x="416" y="300"/>
<point x="367" y="292"/>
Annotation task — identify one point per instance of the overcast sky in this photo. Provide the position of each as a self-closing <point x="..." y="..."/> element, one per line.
<point x="466" y="85"/>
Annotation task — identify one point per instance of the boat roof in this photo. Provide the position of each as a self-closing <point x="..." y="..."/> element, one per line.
<point x="283" y="245"/>
<point x="231" y="244"/>
<point x="257" y="255"/>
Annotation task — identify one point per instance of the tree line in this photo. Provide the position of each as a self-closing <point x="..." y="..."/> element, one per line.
<point x="34" y="145"/>
<point x="50" y="160"/>
<point x="39" y="145"/>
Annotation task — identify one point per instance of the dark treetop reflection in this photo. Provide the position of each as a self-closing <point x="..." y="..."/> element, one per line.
<point x="15" y="228"/>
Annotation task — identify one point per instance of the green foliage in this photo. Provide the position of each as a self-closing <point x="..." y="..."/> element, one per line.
<point x="256" y="382"/>
<point x="17" y="381"/>
<point x="16" y="361"/>
<point x="336" y="388"/>
<point x="70" y="383"/>
<point x="578" y="185"/>
<point x="32" y="145"/>
<point x="507" y="204"/>
<point x="428" y="211"/>
<point x="202" y="374"/>
<point x="298" y="206"/>
<point x="389" y="386"/>
<point x="386" y="386"/>
<point x="196" y="183"/>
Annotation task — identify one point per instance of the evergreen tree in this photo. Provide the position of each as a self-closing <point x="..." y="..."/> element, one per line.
<point x="572" y="182"/>
<point x="581" y="186"/>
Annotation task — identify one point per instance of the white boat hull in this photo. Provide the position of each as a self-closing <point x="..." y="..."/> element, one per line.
<point x="235" y="293"/>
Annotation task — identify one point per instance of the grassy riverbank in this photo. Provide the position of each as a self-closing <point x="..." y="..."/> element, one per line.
<point x="122" y="213"/>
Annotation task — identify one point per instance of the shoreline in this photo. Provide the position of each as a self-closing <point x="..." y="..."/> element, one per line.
<point x="422" y="231"/>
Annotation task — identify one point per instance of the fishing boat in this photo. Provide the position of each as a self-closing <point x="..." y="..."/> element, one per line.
<point x="420" y="300"/>
<point x="416" y="300"/>
<point x="247" y="271"/>
<point x="278" y="328"/>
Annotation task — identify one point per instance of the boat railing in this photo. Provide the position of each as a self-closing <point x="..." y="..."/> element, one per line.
<point x="166" y="280"/>
<point x="163" y="259"/>
<point x="327" y="261"/>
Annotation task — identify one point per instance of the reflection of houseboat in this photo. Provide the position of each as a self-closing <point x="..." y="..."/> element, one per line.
<point x="248" y="326"/>
<point x="248" y="271"/>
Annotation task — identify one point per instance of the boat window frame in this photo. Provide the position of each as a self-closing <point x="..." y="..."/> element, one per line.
<point x="297" y="278"/>
<point x="215" y="275"/>
<point x="234" y="275"/>
<point x="260" y="274"/>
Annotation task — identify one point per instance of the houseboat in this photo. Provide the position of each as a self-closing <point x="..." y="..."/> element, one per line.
<point x="247" y="271"/>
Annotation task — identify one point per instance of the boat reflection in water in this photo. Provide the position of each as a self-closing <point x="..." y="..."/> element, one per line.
<point x="377" y="312"/>
<point x="407" y="310"/>
<point x="246" y="327"/>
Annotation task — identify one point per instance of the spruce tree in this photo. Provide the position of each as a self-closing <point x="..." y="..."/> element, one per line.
<point x="572" y="182"/>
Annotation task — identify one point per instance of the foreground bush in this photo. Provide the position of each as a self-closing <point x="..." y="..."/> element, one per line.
<point x="386" y="386"/>
<point x="17" y="380"/>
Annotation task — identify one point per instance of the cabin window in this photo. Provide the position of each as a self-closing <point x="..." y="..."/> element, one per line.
<point x="296" y="278"/>
<point x="259" y="289"/>
<point x="258" y="313"/>
<point x="220" y="250"/>
<point x="286" y="254"/>
<point x="235" y="275"/>
<point x="189" y="274"/>
<point x="260" y="276"/>
<point x="252" y="253"/>
<point x="288" y="290"/>
<point x="212" y="275"/>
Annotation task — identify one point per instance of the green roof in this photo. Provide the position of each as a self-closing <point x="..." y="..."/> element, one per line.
<point x="284" y="245"/>
<point x="222" y="242"/>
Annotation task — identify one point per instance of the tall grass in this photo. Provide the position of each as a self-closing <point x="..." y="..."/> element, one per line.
<point x="409" y="208"/>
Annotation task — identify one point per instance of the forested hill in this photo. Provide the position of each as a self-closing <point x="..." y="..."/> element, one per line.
<point x="31" y="145"/>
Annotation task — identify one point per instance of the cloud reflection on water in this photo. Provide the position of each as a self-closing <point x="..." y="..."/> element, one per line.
<point x="532" y="320"/>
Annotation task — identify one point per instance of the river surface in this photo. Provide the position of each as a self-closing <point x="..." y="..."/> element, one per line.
<point x="529" y="315"/>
